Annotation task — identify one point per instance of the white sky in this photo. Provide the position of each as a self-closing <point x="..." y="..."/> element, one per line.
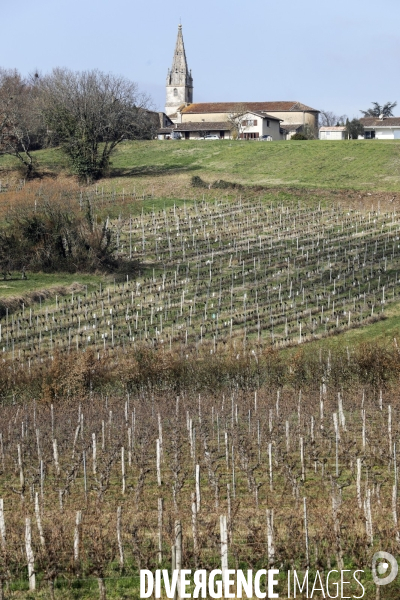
<point x="335" y="55"/>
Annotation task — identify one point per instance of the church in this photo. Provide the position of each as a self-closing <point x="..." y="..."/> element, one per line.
<point x="179" y="80"/>
<point x="246" y="120"/>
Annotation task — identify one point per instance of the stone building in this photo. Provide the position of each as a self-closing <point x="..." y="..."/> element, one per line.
<point x="278" y="120"/>
<point x="179" y="80"/>
<point x="294" y="116"/>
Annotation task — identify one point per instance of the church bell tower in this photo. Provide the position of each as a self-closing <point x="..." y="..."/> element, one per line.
<point x="179" y="80"/>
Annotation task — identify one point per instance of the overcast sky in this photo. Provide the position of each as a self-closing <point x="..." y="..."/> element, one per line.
<point x="337" y="55"/>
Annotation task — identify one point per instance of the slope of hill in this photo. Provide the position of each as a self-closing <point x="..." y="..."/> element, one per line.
<point x="354" y="164"/>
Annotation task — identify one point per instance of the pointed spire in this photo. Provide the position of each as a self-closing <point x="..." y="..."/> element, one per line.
<point x="179" y="71"/>
<point x="179" y="61"/>
<point x="179" y="78"/>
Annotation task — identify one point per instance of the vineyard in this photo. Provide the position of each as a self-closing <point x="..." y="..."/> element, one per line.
<point x="106" y="487"/>
<point x="219" y="439"/>
<point x="259" y="271"/>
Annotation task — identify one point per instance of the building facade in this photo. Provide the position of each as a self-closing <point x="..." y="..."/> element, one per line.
<point x="294" y="114"/>
<point x="333" y="133"/>
<point x="386" y="128"/>
<point x="278" y="120"/>
<point x="179" y="86"/>
<point x="248" y="126"/>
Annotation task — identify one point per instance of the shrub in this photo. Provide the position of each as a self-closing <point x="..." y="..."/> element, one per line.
<point x="225" y="185"/>
<point x="54" y="236"/>
<point x="198" y="182"/>
<point x="299" y="136"/>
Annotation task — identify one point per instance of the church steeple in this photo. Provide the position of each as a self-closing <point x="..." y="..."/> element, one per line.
<point x="179" y="79"/>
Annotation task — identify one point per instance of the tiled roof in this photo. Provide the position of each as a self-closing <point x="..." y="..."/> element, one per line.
<point x="263" y="115"/>
<point x="291" y="126"/>
<point x="376" y="122"/>
<point x="198" y="126"/>
<point x="215" y="107"/>
<point x="204" y="125"/>
<point x="339" y="128"/>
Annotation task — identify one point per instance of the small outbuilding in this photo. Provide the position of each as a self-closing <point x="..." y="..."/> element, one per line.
<point x="333" y="133"/>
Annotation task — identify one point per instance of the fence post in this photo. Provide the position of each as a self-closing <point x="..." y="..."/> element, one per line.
<point x="173" y="565"/>
<point x="120" y="548"/>
<point x="29" y="555"/>
<point x="306" y="531"/>
<point x="123" y="470"/>
<point x="224" y="544"/>
<point x="160" y="526"/>
<point x="194" y="528"/>
<point x="198" y="497"/>
<point x="38" y="520"/>
<point x="270" y="536"/>
<point x="158" y="458"/>
<point x="2" y="525"/>
<point x="78" y="522"/>
<point x="178" y="554"/>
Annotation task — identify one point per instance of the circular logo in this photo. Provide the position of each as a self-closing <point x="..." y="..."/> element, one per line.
<point x="384" y="568"/>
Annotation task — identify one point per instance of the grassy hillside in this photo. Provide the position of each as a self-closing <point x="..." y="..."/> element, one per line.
<point x="113" y="391"/>
<point x="354" y="164"/>
<point x="358" y="164"/>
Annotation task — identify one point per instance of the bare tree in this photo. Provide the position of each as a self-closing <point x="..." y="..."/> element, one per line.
<point x="19" y="118"/>
<point x="236" y="119"/>
<point x="89" y="113"/>
<point x="311" y="132"/>
<point x="328" y="118"/>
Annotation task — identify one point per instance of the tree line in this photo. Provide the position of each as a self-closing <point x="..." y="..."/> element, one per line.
<point x="85" y="113"/>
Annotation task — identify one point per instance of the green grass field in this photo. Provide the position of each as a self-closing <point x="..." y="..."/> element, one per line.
<point x="39" y="281"/>
<point x="358" y="164"/>
<point x="352" y="164"/>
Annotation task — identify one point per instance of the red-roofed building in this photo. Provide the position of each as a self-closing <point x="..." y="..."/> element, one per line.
<point x="292" y="116"/>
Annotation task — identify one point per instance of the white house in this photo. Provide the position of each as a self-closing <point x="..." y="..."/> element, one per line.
<point x="254" y="125"/>
<point x="387" y="128"/>
<point x="332" y="133"/>
<point x="251" y="126"/>
<point x="195" y="131"/>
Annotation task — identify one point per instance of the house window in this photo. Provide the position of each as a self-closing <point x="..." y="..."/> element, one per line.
<point x="369" y="135"/>
<point x="175" y="92"/>
<point x="250" y="136"/>
<point x="250" y="123"/>
<point x="267" y="122"/>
